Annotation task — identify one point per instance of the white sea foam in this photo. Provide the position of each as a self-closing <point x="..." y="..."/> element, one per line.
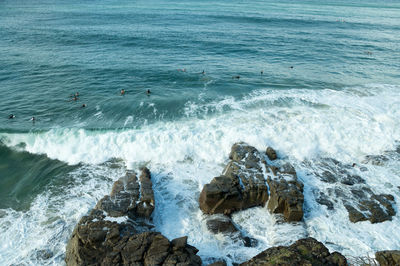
<point x="184" y="155"/>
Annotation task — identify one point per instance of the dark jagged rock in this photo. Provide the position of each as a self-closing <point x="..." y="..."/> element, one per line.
<point x="224" y="225"/>
<point x="369" y="206"/>
<point x="271" y="153"/>
<point x="379" y="160"/>
<point x="323" y="200"/>
<point x="307" y="251"/>
<point x="243" y="185"/>
<point x="360" y="201"/>
<point x="99" y="240"/>
<point x="286" y="193"/>
<point x="218" y="263"/>
<point x="388" y="257"/>
<point x="129" y="197"/>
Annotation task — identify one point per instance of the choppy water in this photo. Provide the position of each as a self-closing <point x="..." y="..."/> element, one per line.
<point x="340" y="100"/>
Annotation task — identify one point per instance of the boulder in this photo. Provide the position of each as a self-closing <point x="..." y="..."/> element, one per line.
<point x="388" y="257"/>
<point x="286" y="194"/>
<point x="99" y="239"/>
<point x="307" y="251"/>
<point x="221" y="224"/>
<point x="241" y="185"/>
<point x="271" y="153"/>
<point x="244" y="183"/>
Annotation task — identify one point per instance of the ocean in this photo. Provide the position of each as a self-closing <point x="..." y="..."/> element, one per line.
<point x="312" y="79"/>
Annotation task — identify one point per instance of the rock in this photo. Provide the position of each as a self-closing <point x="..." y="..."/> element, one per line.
<point x="307" y="251"/>
<point x="130" y="198"/>
<point x="360" y="201"/>
<point x="99" y="240"/>
<point x="218" y="263"/>
<point x="323" y="200"/>
<point x="286" y="194"/>
<point x="378" y="160"/>
<point x="369" y="206"/>
<point x="241" y="185"/>
<point x="220" y="224"/>
<point x="388" y="257"/>
<point x="271" y="153"/>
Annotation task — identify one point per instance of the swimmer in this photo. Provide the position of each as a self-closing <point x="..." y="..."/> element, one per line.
<point x="148" y="92"/>
<point x="236" y="77"/>
<point x="122" y="92"/>
<point x="11" y="116"/>
<point x="76" y="94"/>
<point x="291" y="67"/>
<point x="83" y="106"/>
<point x="33" y="119"/>
<point x="75" y="98"/>
<point x="262" y="72"/>
<point x="203" y="72"/>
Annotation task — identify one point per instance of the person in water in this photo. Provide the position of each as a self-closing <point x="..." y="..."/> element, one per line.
<point x="76" y="94"/>
<point x="122" y="92"/>
<point x="83" y="105"/>
<point x="11" y="116"/>
<point x="33" y="119"/>
<point x="203" y="72"/>
<point x="148" y="92"/>
<point x="262" y="72"/>
<point x="236" y="77"/>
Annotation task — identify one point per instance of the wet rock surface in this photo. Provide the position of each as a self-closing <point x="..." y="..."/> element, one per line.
<point x="99" y="239"/>
<point x="221" y="224"/>
<point x="307" y="251"/>
<point x="243" y="184"/>
<point x="388" y="257"/>
<point x="347" y="188"/>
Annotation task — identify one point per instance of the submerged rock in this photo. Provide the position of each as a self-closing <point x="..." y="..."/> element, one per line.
<point x="243" y="184"/>
<point x="346" y="187"/>
<point x="307" y="251"/>
<point x="221" y="224"/>
<point x="101" y="239"/>
<point x="388" y="257"/>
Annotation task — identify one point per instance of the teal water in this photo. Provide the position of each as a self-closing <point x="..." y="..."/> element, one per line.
<point x="51" y="49"/>
<point x="330" y="86"/>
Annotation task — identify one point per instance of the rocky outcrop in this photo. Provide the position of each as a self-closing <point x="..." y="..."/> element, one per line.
<point x="241" y="185"/>
<point x="388" y="257"/>
<point x="286" y="194"/>
<point x="348" y="189"/>
<point x="118" y="231"/>
<point x="306" y="251"/>
<point x="244" y="183"/>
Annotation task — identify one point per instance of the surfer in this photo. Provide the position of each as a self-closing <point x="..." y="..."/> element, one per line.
<point x="33" y="119"/>
<point x="11" y="116"/>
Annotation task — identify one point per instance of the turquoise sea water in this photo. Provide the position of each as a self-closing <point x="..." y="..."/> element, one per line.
<point x="330" y="86"/>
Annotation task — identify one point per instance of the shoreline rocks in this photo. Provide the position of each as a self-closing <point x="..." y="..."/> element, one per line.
<point x="248" y="181"/>
<point x="307" y="251"/>
<point x="119" y="230"/>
